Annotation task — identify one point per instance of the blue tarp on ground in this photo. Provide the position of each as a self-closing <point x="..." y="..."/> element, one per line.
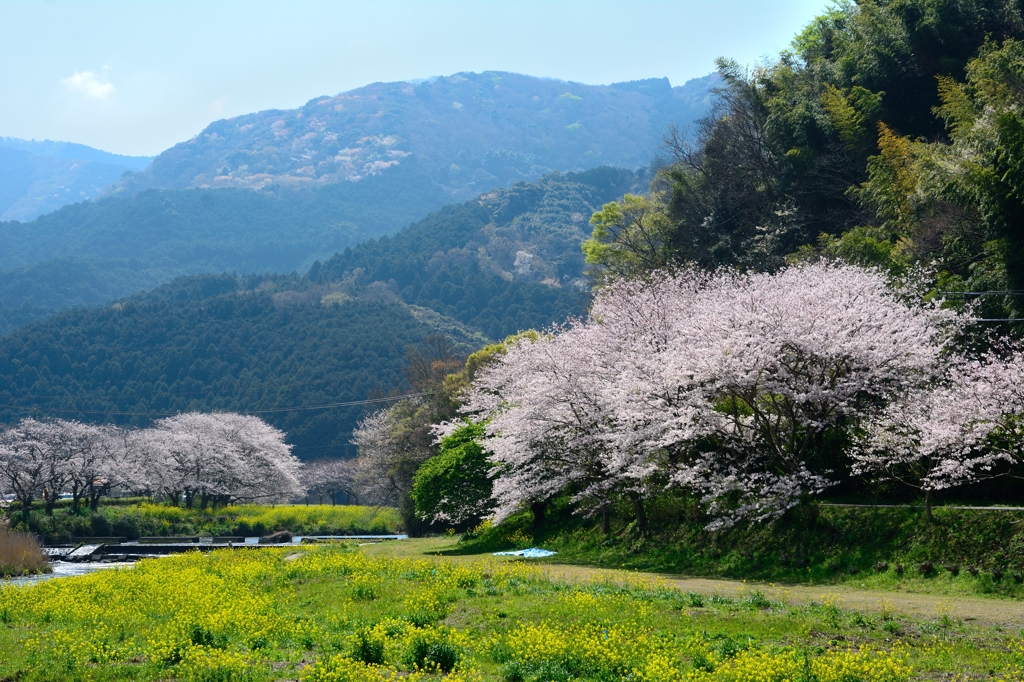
<point x="531" y="553"/>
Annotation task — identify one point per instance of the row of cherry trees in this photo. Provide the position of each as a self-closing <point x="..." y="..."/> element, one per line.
<point x="741" y="389"/>
<point x="209" y="458"/>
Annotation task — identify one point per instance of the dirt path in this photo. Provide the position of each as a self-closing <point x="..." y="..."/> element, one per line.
<point x="994" y="611"/>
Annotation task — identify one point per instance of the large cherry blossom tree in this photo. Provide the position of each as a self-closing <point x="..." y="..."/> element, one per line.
<point x="220" y="457"/>
<point x="725" y="384"/>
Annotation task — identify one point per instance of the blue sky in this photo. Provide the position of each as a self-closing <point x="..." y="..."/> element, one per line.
<point x="135" y="77"/>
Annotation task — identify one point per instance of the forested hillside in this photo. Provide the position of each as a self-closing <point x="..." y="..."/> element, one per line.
<point x="40" y="177"/>
<point x="509" y="260"/>
<point x="218" y="342"/>
<point x="473" y="131"/>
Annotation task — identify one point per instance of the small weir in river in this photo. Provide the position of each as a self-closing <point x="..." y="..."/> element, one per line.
<point x="102" y="553"/>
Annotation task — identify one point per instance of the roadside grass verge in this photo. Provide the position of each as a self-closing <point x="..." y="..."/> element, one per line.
<point x="963" y="552"/>
<point x="334" y="613"/>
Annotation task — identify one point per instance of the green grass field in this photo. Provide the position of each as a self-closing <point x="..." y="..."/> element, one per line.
<point x="345" y="613"/>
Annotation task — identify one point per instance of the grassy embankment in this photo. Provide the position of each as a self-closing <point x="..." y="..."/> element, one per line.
<point x="145" y="519"/>
<point x="20" y="554"/>
<point x="962" y="552"/>
<point x="336" y="613"/>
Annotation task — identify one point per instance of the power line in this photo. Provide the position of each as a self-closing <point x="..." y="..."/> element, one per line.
<point x="994" y="292"/>
<point x="118" y="413"/>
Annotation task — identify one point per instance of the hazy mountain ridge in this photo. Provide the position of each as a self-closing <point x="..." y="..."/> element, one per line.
<point x="92" y="253"/>
<point x="472" y="133"/>
<point x="37" y="177"/>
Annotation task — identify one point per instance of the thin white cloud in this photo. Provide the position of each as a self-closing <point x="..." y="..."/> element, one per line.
<point x="89" y="83"/>
<point x="218" y="105"/>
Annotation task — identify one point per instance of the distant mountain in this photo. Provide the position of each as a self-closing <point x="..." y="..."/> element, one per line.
<point x="332" y="174"/>
<point x="40" y="177"/>
<point x="470" y="132"/>
<point x="505" y="261"/>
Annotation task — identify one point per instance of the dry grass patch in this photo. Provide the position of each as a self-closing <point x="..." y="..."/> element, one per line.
<point x="20" y="554"/>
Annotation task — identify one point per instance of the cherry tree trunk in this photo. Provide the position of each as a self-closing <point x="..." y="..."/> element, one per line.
<point x="639" y="511"/>
<point x="538" y="509"/>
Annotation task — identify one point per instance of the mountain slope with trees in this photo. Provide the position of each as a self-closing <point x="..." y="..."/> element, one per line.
<point x="507" y="261"/>
<point x="341" y="333"/>
<point x="92" y="253"/>
<point x="220" y="343"/>
<point x="473" y="131"/>
<point x="40" y="177"/>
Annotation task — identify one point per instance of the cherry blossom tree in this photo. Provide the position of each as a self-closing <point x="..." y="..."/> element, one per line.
<point x="25" y="463"/>
<point x="121" y="463"/>
<point x="776" y="363"/>
<point x="267" y="470"/>
<point x="542" y="403"/>
<point x="382" y="471"/>
<point x="215" y="457"/>
<point x="83" y="456"/>
<point x="724" y="384"/>
<point x="962" y="429"/>
<point x="220" y="458"/>
<point x="329" y="478"/>
<point x="190" y="456"/>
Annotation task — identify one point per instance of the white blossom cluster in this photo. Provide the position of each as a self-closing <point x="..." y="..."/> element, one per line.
<point x="725" y="384"/>
<point x="220" y="457"/>
<point x="958" y="430"/>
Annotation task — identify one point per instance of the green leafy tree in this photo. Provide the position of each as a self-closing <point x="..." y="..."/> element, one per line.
<point x="629" y="236"/>
<point x="455" y="486"/>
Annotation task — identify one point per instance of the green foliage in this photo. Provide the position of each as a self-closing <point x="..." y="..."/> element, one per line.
<point x="455" y="486"/>
<point x="788" y="166"/>
<point x="629" y="237"/>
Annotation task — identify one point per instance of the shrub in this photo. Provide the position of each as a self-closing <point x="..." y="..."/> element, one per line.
<point x="434" y="649"/>
<point x="368" y="646"/>
<point x="455" y="486"/>
<point x="339" y="668"/>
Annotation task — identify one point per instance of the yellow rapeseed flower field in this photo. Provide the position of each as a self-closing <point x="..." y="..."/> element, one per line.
<point x="334" y="614"/>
